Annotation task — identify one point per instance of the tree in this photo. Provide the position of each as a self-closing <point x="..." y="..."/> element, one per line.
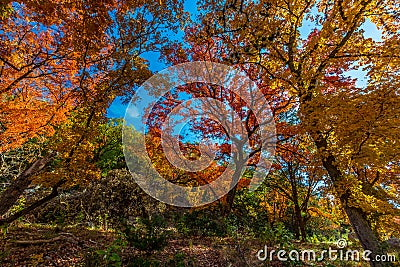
<point x="243" y="133"/>
<point x="109" y="155"/>
<point x="296" y="177"/>
<point x="62" y="64"/>
<point x="352" y="128"/>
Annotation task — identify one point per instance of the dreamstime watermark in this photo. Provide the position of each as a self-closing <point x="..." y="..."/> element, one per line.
<point x="143" y="108"/>
<point x="331" y="254"/>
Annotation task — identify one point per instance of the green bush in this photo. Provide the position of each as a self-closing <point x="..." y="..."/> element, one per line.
<point x="148" y="234"/>
<point x="201" y="223"/>
<point x="277" y="235"/>
<point x="110" y="256"/>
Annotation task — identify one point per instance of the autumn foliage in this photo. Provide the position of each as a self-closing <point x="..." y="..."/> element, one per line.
<point x="337" y="161"/>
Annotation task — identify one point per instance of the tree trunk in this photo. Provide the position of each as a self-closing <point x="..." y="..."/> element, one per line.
<point x="240" y="162"/>
<point x="302" y="226"/>
<point x="33" y="206"/>
<point x="296" y="227"/>
<point x="357" y="217"/>
<point x="230" y="197"/>
<point x="10" y="196"/>
<point x="367" y="237"/>
<point x="299" y="223"/>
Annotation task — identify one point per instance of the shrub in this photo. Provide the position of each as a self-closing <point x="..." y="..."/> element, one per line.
<point x="148" y="234"/>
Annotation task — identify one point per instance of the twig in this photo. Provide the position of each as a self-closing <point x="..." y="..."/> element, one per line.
<point x="67" y="236"/>
<point x="38" y="241"/>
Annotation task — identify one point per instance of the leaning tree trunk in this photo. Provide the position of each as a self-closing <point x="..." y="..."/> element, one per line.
<point x="357" y="217"/>
<point x="34" y="205"/>
<point x="367" y="237"/>
<point x="10" y="196"/>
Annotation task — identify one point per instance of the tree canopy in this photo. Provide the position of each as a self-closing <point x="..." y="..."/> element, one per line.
<point x="63" y="63"/>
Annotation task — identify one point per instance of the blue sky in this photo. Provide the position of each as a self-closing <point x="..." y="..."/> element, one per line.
<point x="117" y="109"/>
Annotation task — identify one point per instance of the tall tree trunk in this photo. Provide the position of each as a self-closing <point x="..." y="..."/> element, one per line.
<point x="365" y="234"/>
<point x="10" y="196"/>
<point x="357" y="217"/>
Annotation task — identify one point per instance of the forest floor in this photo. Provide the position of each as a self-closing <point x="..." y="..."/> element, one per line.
<point x="44" y="245"/>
